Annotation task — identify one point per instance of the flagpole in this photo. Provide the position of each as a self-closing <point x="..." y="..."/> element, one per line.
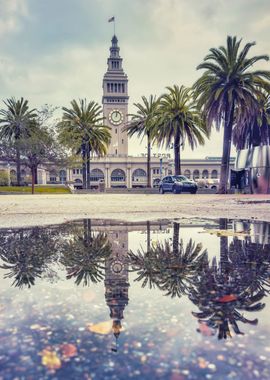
<point x="114" y="26"/>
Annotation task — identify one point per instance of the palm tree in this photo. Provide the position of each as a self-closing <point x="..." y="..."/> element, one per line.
<point x="81" y="129"/>
<point x="257" y="132"/>
<point x="179" y="121"/>
<point x="15" y="122"/>
<point x="227" y="92"/>
<point x="142" y="124"/>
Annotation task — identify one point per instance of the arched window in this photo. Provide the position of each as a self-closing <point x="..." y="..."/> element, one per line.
<point x="118" y="175"/>
<point x="196" y="174"/>
<point x="63" y="176"/>
<point x="187" y="173"/>
<point x="96" y="175"/>
<point x="138" y="175"/>
<point x="78" y="180"/>
<point x="205" y="174"/>
<point x="53" y="175"/>
<point x="214" y="174"/>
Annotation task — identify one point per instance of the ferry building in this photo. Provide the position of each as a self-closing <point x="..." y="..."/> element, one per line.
<point x="118" y="168"/>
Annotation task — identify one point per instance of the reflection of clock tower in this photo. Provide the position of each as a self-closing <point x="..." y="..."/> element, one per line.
<point x="116" y="279"/>
<point x="115" y="101"/>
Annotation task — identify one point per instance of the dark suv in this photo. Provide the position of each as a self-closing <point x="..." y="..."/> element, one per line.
<point x="177" y="184"/>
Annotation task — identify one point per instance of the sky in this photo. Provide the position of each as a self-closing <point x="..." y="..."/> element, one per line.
<point x="53" y="51"/>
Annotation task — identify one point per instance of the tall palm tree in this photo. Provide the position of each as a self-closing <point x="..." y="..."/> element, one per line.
<point x="227" y="92"/>
<point x="179" y="121"/>
<point x="142" y="124"/>
<point x="81" y="129"/>
<point x="14" y="123"/>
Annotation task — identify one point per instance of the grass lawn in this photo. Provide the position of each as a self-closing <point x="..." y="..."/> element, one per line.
<point x="38" y="189"/>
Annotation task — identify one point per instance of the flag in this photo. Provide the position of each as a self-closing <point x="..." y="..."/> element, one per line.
<point x="111" y="19"/>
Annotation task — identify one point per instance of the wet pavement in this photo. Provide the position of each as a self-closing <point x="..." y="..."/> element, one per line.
<point x="96" y="299"/>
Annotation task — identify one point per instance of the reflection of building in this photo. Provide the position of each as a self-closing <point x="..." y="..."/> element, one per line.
<point x="116" y="278"/>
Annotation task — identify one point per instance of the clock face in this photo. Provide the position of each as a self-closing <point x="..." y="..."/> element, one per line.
<point x="116" y="117"/>
<point x="117" y="267"/>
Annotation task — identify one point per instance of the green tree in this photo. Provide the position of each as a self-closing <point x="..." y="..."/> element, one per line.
<point x="228" y="91"/>
<point x="179" y="121"/>
<point x="40" y="147"/>
<point x="82" y="131"/>
<point x="15" y="122"/>
<point x="142" y="124"/>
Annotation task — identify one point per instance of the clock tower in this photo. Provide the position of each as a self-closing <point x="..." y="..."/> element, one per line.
<point x="115" y="101"/>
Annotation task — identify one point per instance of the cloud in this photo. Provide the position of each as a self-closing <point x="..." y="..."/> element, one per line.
<point x="12" y="12"/>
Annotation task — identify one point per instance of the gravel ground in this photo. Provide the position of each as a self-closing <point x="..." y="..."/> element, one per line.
<point x="30" y="210"/>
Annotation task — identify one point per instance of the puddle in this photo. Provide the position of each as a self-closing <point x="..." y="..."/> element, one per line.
<point x="156" y="300"/>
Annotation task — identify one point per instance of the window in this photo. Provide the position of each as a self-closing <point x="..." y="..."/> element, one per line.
<point x="119" y="87"/>
<point x="122" y="141"/>
<point x="108" y="87"/>
<point x="123" y="87"/>
<point x="96" y="175"/>
<point x="196" y="174"/>
<point x="115" y="130"/>
<point x="74" y="171"/>
<point x="115" y="87"/>
<point x="214" y="174"/>
<point x="205" y="174"/>
<point x="115" y="151"/>
<point x="118" y="175"/>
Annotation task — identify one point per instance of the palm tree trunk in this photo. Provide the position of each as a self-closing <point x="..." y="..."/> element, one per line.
<point x="224" y="259"/>
<point x="176" y="229"/>
<point x="83" y="165"/>
<point x="227" y="139"/>
<point x="18" y="166"/>
<point x="87" y="166"/>
<point x="148" y="231"/>
<point x="177" y="160"/>
<point x="148" y="161"/>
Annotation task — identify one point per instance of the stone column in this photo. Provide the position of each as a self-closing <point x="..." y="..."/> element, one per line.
<point x="107" y="176"/>
<point x="129" y="177"/>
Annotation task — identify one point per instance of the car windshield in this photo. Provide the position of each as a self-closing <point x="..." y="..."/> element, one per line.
<point x="180" y="178"/>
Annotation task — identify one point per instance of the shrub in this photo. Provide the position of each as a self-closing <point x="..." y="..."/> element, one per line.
<point x="3" y="178"/>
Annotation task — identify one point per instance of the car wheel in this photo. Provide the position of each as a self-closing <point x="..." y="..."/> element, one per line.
<point x="193" y="192"/>
<point x="161" y="191"/>
<point x="175" y="190"/>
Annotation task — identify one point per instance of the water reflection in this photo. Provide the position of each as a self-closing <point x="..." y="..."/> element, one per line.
<point x="156" y="259"/>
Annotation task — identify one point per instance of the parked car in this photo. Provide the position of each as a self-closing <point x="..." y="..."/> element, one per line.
<point x="177" y="184"/>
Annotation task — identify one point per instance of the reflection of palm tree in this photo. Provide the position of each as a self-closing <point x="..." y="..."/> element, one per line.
<point x="171" y="267"/>
<point x="84" y="256"/>
<point x="219" y="303"/>
<point x="26" y="254"/>
<point x="238" y="283"/>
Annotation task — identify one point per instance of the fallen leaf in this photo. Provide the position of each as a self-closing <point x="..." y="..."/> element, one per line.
<point x="102" y="328"/>
<point x="227" y="298"/>
<point x="50" y="359"/>
<point x="68" y="350"/>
